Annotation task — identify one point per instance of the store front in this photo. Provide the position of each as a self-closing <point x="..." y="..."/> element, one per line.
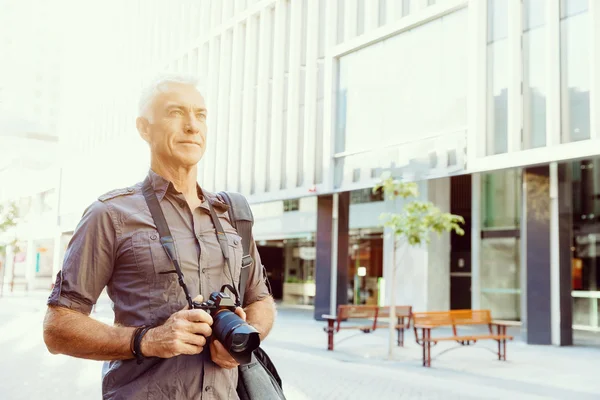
<point x="500" y="254"/>
<point x="585" y="250"/>
<point x="365" y="269"/>
<point x="290" y="266"/>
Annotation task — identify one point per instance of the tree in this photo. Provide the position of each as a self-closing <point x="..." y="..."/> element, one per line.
<point x="413" y="225"/>
<point x="8" y="218"/>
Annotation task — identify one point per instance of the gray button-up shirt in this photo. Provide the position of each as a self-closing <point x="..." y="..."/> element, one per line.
<point x="116" y="245"/>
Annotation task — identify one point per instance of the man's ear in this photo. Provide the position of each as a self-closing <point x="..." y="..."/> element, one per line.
<point x="143" y="127"/>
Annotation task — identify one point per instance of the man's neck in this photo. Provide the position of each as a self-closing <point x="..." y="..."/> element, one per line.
<point x="184" y="179"/>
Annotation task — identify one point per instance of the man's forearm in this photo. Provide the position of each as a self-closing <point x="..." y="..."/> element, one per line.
<point x="261" y="315"/>
<point x="74" y="334"/>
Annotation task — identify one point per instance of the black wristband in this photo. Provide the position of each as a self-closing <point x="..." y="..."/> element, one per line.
<point x="135" y="332"/>
<point x="137" y="342"/>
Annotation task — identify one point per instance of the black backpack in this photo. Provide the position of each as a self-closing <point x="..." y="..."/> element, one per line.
<point x="253" y="383"/>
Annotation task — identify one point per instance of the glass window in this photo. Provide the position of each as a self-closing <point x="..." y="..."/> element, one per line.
<point x="291" y="205"/>
<point x="410" y="86"/>
<point x="500" y="277"/>
<point x="534" y="74"/>
<point x="575" y="70"/>
<point x="360" y="24"/>
<point x="405" y="7"/>
<point x="365" y="196"/>
<point x="500" y="199"/>
<point x="497" y="77"/>
<point x="585" y="250"/>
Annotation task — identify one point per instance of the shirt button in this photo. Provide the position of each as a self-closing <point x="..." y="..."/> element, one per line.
<point x="236" y="242"/>
<point x="130" y="190"/>
<point x="153" y="237"/>
<point x="208" y="388"/>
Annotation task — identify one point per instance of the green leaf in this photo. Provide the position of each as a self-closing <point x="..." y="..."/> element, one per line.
<point x="417" y="219"/>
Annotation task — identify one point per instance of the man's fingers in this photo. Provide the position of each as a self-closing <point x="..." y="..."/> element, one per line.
<point x="200" y="329"/>
<point x="197" y="299"/>
<point x="195" y="340"/>
<point x="185" y="348"/>
<point x="197" y="316"/>
<point x="218" y="346"/>
<point x="220" y="356"/>
<point x="240" y="313"/>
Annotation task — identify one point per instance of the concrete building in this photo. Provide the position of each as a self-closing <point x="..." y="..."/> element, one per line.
<point x="490" y="105"/>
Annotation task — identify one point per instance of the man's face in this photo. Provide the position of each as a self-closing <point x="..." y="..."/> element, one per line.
<point x="175" y="126"/>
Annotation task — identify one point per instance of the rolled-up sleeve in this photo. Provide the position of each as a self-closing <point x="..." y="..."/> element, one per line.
<point x="88" y="262"/>
<point x="256" y="287"/>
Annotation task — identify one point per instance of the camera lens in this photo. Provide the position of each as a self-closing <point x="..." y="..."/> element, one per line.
<point x="239" y="338"/>
<point x="239" y="342"/>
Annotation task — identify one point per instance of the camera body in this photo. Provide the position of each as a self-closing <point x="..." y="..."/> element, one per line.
<point x="239" y="338"/>
<point x="218" y="301"/>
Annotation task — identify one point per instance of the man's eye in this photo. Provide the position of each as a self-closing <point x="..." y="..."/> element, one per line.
<point x="176" y="112"/>
<point x="201" y="116"/>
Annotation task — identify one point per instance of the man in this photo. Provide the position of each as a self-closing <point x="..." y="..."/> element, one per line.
<point x="116" y="245"/>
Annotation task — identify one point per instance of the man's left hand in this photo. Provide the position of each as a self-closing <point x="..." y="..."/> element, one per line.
<point x="219" y="354"/>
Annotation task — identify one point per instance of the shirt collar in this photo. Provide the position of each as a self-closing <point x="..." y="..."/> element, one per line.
<point x="162" y="186"/>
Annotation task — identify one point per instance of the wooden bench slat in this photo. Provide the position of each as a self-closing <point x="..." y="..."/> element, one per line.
<point x="377" y="317"/>
<point x="358" y="327"/>
<point x="474" y="337"/>
<point x="427" y="321"/>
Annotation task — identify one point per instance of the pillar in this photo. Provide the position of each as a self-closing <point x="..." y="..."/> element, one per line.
<point x="565" y="240"/>
<point x="327" y="220"/>
<point x="546" y="226"/>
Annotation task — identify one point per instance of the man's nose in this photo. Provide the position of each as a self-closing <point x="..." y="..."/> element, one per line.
<point x="192" y="125"/>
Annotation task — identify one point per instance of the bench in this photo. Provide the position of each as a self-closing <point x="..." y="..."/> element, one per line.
<point x="375" y="314"/>
<point x="426" y="321"/>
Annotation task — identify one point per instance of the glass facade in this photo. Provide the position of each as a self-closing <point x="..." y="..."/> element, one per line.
<point x="412" y="85"/>
<point x="500" y="244"/>
<point x="575" y="40"/>
<point x="500" y="199"/>
<point x="534" y="73"/>
<point x="497" y="77"/>
<point x="365" y="253"/>
<point x="585" y="251"/>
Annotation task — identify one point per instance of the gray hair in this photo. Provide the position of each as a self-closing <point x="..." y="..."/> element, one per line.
<point x="159" y="84"/>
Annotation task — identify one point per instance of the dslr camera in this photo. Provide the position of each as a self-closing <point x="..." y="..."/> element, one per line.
<point x="239" y="338"/>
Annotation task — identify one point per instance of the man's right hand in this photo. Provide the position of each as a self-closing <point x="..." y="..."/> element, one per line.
<point x="185" y="332"/>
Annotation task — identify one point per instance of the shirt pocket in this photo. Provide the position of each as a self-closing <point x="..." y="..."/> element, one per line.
<point x="150" y="257"/>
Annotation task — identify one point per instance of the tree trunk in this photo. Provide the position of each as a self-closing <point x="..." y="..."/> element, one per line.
<point x="393" y="320"/>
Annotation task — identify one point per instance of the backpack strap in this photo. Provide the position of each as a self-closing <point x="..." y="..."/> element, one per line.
<point x="242" y="220"/>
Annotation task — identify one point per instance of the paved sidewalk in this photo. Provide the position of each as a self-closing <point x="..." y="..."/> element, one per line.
<point x="547" y="371"/>
<point x="357" y="369"/>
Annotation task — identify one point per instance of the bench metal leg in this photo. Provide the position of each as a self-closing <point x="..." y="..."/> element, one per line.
<point x="426" y="347"/>
<point x="502" y="343"/>
<point x="400" y="337"/>
<point x="330" y="330"/>
<point x="400" y="332"/>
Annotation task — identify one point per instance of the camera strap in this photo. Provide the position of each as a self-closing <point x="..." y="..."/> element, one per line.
<point x="222" y="238"/>
<point x="166" y="239"/>
<point x="241" y="218"/>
